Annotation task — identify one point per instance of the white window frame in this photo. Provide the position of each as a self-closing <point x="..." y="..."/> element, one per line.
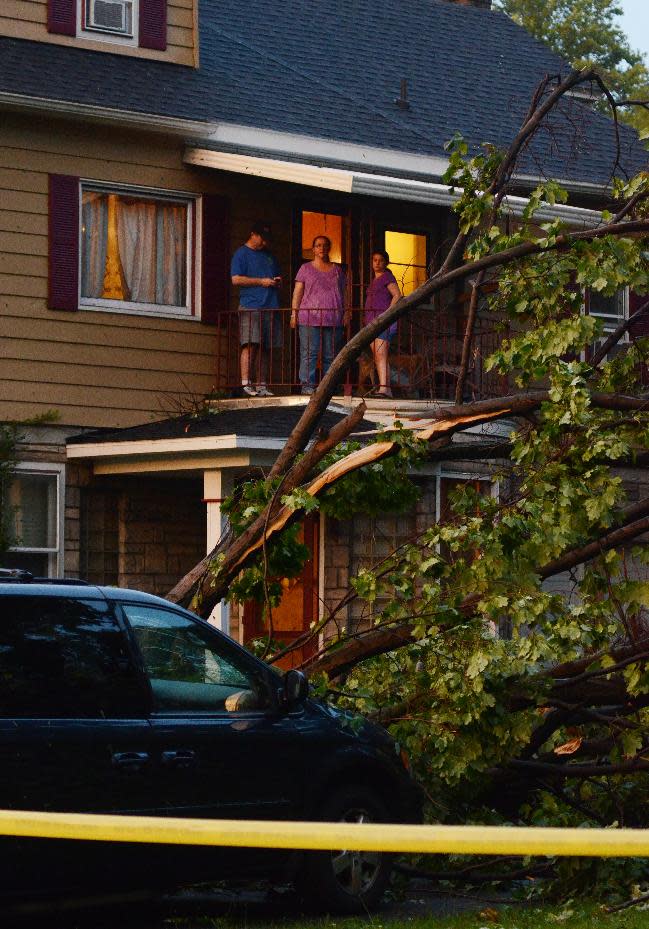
<point x="189" y="311"/>
<point x="85" y="31"/>
<point x="608" y="327"/>
<point x="55" y="553"/>
<point x="623" y="295"/>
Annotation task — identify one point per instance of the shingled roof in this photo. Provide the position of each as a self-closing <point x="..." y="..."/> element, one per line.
<point x="334" y="73"/>
<point x="268" y="422"/>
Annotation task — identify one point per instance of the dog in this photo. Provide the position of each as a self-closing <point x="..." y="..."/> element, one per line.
<point x="405" y="371"/>
<point x="366" y="372"/>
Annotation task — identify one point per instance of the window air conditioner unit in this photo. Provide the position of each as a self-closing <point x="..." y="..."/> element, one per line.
<point x="114" y="16"/>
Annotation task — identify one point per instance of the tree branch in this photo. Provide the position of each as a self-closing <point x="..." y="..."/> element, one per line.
<point x="617" y="334"/>
<point x="345" y="655"/>
<point x="246" y="546"/>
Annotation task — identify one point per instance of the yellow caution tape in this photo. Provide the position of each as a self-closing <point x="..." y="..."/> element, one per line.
<point x="479" y="840"/>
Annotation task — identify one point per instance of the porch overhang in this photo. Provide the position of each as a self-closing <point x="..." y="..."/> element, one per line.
<point x="176" y="455"/>
<point x="382" y="186"/>
<point x="234" y="436"/>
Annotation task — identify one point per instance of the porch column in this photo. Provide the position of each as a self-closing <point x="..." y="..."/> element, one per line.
<point x="217" y="485"/>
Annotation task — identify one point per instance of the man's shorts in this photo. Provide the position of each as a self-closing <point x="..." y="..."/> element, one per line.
<point x="259" y="327"/>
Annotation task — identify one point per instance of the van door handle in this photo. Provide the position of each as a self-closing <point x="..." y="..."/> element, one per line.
<point x="130" y="761"/>
<point x="183" y="758"/>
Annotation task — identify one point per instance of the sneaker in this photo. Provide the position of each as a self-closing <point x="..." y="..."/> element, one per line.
<point x="249" y="390"/>
<point x="307" y="391"/>
<point x="263" y="391"/>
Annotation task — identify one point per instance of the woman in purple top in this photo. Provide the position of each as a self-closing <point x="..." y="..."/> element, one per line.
<point x="318" y="311"/>
<point x="382" y="293"/>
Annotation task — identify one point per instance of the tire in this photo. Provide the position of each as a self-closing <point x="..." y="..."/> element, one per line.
<point x="345" y="881"/>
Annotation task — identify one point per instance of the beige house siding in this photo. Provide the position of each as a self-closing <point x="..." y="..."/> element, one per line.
<point x="27" y="19"/>
<point x="100" y="368"/>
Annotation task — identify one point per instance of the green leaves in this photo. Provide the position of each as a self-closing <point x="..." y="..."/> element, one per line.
<point x="300" y="499"/>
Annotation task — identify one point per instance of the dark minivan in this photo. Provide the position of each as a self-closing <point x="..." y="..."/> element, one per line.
<point x="115" y="701"/>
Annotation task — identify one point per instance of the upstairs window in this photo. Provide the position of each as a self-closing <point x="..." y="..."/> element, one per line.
<point x="138" y="23"/>
<point x="329" y="224"/>
<point x="113" y="17"/>
<point x="135" y="252"/>
<point x="157" y="256"/>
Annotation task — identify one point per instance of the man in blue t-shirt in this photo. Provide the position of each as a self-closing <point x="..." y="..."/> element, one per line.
<point x="257" y="273"/>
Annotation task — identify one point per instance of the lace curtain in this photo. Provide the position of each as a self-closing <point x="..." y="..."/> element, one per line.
<point x="152" y="245"/>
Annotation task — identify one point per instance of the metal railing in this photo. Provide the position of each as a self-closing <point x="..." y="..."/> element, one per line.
<point x="424" y="355"/>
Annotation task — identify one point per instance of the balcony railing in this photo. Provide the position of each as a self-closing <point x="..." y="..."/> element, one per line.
<point x="424" y="355"/>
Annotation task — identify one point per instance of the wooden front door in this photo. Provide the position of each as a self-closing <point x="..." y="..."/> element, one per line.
<point x="299" y="606"/>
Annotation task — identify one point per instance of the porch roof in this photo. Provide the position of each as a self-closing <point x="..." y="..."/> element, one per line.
<point x="392" y="187"/>
<point x="281" y="69"/>
<point x="236" y="435"/>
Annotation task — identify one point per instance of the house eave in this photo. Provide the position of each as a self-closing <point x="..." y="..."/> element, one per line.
<point x="373" y="185"/>
<point x="148" y="122"/>
<point x="369" y="164"/>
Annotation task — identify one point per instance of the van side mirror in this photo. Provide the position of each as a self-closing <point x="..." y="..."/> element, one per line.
<point x="296" y="687"/>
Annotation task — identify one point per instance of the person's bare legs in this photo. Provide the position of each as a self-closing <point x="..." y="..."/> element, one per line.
<point x="247" y="360"/>
<point x="262" y="369"/>
<point x="380" y="348"/>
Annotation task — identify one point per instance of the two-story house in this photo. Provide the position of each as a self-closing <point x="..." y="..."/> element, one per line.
<point x="139" y="142"/>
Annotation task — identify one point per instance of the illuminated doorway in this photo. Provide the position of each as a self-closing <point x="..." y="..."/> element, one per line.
<point x="299" y="608"/>
<point x="329" y="224"/>
<point x="408" y="258"/>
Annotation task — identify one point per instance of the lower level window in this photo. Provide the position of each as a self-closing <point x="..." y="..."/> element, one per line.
<point x="31" y="509"/>
<point x="135" y="252"/>
<point x="611" y="310"/>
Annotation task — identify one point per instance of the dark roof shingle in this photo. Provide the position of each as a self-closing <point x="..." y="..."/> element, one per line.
<point x="335" y="72"/>
<point x="268" y="422"/>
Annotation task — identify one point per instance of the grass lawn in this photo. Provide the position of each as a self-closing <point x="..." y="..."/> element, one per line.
<point x="567" y="916"/>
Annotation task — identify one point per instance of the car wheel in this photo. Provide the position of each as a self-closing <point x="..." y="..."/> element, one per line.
<point x="344" y="881"/>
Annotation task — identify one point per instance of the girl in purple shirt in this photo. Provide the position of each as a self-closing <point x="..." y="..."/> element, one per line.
<point x="382" y="293"/>
<point x="318" y="311"/>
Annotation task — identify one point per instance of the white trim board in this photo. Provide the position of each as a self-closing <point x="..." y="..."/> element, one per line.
<point x="159" y="447"/>
<point x="275" y="142"/>
<point x="376" y="185"/>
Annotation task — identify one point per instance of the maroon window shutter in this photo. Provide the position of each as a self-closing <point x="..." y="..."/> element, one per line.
<point x="63" y="242"/>
<point x="215" y="258"/>
<point x="62" y="16"/>
<point x="153" y="24"/>
<point x="641" y="327"/>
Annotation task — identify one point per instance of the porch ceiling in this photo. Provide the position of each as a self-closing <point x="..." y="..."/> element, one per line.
<point x="374" y="185"/>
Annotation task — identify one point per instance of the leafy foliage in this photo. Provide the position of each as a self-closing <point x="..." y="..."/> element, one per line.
<point x="588" y="32"/>
<point x="467" y="697"/>
<point x="474" y="694"/>
<point x="385" y="486"/>
<point x="9" y="433"/>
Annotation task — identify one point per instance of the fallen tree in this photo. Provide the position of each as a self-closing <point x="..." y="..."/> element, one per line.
<point x="486" y="181"/>
<point x="483" y="670"/>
